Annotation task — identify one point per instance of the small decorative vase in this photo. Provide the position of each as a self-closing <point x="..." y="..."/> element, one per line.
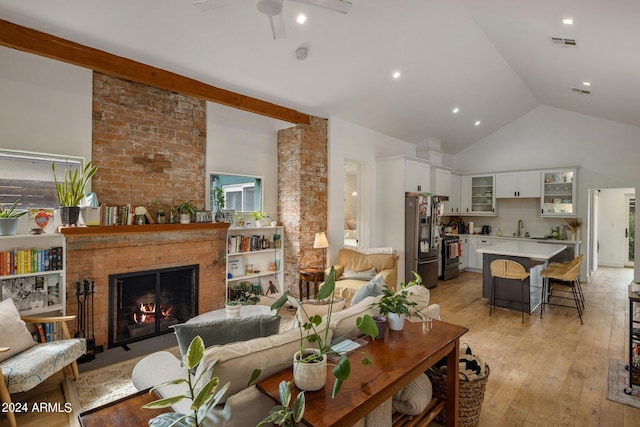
<point x="309" y="376"/>
<point x="233" y="311"/>
<point x="396" y="321"/>
<point x="219" y="216"/>
<point x="185" y="219"/>
<point x="161" y="217"/>
<point x="258" y="223"/>
<point x="381" y="323"/>
<point x="139" y="220"/>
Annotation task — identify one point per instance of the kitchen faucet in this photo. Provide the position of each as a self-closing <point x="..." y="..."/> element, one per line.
<point x="520" y="227"/>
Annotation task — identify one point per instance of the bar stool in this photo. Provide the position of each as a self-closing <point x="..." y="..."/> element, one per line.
<point x="510" y="270"/>
<point x="568" y="265"/>
<point x="568" y="275"/>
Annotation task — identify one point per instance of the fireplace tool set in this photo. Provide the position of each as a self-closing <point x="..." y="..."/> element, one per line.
<point x="84" y="297"/>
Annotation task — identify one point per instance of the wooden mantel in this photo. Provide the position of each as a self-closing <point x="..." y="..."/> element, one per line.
<point x="149" y="228"/>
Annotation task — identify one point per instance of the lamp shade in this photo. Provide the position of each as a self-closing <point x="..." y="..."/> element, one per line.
<point x="320" y="242"/>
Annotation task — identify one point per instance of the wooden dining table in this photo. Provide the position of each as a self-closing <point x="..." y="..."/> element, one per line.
<point x="397" y="359"/>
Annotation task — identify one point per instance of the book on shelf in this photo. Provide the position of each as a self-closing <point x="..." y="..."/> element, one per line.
<point x="236" y="267"/>
<point x="27" y="292"/>
<point x="42" y="337"/>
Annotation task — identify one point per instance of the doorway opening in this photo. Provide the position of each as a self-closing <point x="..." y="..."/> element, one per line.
<point x="352" y="200"/>
<point x="630" y="231"/>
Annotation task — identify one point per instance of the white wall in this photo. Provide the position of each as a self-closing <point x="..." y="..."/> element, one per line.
<point x="45" y="105"/>
<point x="605" y="151"/>
<point x="244" y="143"/>
<point x="353" y="142"/>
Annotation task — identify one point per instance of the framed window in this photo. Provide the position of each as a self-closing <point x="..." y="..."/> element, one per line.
<point x="28" y="177"/>
<point x="242" y="193"/>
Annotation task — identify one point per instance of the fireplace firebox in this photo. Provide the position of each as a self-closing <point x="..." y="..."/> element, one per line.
<point x="147" y="303"/>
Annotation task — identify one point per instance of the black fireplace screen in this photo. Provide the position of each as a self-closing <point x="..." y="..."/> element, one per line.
<point x="145" y="304"/>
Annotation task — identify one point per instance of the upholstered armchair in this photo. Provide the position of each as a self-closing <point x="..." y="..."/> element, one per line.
<point x="24" y="363"/>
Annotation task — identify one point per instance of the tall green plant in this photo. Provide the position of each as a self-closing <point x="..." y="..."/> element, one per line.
<point x="203" y="397"/>
<point x="310" y="332"/>
<point x="71" y="190"/>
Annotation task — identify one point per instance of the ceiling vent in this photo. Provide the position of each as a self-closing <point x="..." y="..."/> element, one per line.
<point x="581" y="91"/>
<point x="563" y="42"/>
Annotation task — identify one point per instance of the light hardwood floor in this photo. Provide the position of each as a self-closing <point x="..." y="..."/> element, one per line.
<point x="544" y="372"/>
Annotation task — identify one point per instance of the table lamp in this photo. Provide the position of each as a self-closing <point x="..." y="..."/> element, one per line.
<point x="321" y="242"/>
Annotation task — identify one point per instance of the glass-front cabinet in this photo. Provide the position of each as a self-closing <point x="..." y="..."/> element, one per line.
<point x="483" y="198"/>
<point x="559" y="190"/>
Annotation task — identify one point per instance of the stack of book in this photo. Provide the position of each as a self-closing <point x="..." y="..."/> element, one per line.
<point x="26" y="261"/>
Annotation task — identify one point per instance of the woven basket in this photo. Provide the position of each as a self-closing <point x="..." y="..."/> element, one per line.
<point x="471" y="395"/>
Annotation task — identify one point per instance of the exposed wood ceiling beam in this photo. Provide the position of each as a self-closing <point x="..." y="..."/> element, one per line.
<point x="39" y="43"/>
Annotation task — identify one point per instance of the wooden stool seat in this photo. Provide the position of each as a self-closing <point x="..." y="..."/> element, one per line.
<point x="510" y="270"/>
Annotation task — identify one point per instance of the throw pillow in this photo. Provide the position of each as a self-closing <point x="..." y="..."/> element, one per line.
<point x="358" y="275"/>
<point x="371" y="289"/>
<point x="224" y="331"/>
<point x="15" y="334"/>
<point x="310" y="308"/>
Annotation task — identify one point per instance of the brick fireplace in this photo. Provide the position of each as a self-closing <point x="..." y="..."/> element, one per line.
<point x="94" y="253"/>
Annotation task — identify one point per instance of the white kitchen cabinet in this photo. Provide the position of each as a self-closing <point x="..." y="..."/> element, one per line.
<point x="452" y="206"/>
<point x="255" y="255"/>
<point x="440" y="182"/>
<point x="463" y="262"/>
<point x="477" y="195"/>
<point x="518" y="184"/>
<point x="472" y="259"/>
<point x="559" y="193"/>
<point x="417" y="176"/>
<point x="33" y="272"/>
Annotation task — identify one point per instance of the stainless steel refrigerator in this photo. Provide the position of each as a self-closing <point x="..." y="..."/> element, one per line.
<point x="422" y="239"/>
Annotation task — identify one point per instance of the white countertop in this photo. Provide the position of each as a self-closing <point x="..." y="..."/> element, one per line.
<point x="526" y="249"/>
<point x="523" y="239"/>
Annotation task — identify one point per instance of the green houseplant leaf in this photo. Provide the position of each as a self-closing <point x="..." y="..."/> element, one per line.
<point x="70" y="190"/>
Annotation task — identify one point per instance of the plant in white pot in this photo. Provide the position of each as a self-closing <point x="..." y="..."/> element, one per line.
<point x="9" y="219"/>
<point x="259" y="216"/>
<point x="70" y="191"/>
<point x="395" y="304"/>
<point x="187" y="210"/>
<point x="315" y="344"/>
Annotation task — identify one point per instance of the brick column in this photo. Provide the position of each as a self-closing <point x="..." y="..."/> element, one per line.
<point x="302" y="195"/>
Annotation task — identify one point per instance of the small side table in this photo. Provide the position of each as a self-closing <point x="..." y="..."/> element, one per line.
<point x="310" y="275"/>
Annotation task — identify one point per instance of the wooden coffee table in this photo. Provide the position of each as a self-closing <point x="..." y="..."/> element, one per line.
<point x="123" y="412"/>
<point x="397" y="359"/>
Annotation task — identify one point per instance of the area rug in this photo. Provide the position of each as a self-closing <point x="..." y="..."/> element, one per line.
<point x="617" y="381"/>
<point x="103" y="385"/>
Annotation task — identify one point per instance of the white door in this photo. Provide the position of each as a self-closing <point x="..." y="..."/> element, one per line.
<point x="630" y="232"/>
<point x="352" y="200"/>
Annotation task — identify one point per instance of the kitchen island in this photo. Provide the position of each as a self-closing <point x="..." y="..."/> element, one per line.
<point x="533" y="256"/>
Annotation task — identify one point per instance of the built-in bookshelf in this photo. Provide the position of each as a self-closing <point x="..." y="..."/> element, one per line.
<point x="255" y="255"/>
<point x="32" y="272"/>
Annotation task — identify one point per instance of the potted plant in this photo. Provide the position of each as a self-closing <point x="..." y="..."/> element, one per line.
<point x="241" y="294"/>
<point x="258" y="216"/>
<point x="161" y="215"/>
<point x="395" y="304"/>
<point x="203" y="396"/>
<point x="238" y="218"/>
<point x="186" y="209"/>
<point x="283" y="415"/>
<point x="70" y="191"/>
<point x="311" y="333"/>
<point x="218" y="201"/>
<point x="9" y="220"/>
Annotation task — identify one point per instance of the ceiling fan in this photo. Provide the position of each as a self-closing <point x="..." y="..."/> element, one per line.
<point x="273" y="10"/>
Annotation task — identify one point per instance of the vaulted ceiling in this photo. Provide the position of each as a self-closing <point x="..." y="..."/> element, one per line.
<point x="493" y="59"/>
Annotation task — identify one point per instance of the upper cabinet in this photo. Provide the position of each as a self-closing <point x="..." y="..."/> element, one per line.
<point x="452" y="206"/>
<point x="477" y="195"/>
<point x="559" y="190"/>
<point x="440" y="182"/>
<point x="418" y="175"/>
<point x="518" y="184"/>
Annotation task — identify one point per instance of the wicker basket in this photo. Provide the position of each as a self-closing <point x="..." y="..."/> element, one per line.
<point x="470" y="397"/>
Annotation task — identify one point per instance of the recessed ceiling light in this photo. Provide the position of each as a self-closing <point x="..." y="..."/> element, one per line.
<point x="456" y="110"/>
<point x="586" y="83"/>
<point x="477" y="123"/>
<point x="301" y="18"/>
<point x="567" y="21"/>
<point x="396" y="74"/>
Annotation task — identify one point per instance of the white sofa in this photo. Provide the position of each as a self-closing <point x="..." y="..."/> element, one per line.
<point x="244" y="405"/>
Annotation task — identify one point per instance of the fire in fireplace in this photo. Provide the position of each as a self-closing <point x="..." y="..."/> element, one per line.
<point x="145" y="304"/>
